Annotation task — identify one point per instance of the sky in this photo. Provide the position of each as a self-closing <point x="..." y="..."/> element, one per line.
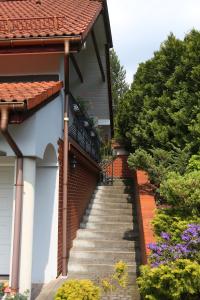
<point x="140" y="26"/>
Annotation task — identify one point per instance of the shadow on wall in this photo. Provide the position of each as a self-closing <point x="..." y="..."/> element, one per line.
<point x="82" y="181"/>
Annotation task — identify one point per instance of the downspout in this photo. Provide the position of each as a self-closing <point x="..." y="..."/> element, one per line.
<point x="18" y="191"/>
<point x="65" y="158"/>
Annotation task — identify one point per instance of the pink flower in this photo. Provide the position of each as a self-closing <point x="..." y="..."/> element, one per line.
<point x="7" y="290"/>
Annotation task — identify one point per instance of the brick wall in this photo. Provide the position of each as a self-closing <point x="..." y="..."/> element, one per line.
<point x="146" y="207"/>
<point x="81" y="184"/>
<point x="120" y="168"/>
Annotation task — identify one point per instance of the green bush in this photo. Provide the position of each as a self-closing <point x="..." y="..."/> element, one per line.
<point x="119" y="279"/>
<point x="158" y="162"/>
<point x="179" y="280"/>
<point x="172" y="221"/>
<point x="78" y="290"/>
<point x="18" y="297"/>
<point x="194" y="163"/>
<point x="182" y="191"/>
<point x="154" y="166"/>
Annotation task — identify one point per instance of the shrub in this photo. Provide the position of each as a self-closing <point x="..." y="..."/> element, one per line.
<point x="158" y="162"/>
<point x="18" y="296"/>
<point x="179" y="280"/>
<point x="172" y="221"/>
<point x="152" y="164"/>
<point x="78" y="290"/>
<point x="182" y="191"/>
<point x="1" y="289"/>
<point x="166" y="250"/>
<point x="194" y="163"/>
<point x="116" y="280"/>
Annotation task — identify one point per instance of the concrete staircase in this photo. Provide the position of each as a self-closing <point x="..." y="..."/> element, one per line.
<point x="107" y="234"/>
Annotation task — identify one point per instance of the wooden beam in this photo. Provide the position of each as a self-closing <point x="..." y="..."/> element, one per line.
<point x="76" y="67"/>
<point x="98" y="55"/>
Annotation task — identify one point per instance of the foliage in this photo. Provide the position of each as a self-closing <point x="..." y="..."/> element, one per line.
<point x="166" y="250"/>
<point x="173" y="221"/>
<point x="118" y="78"/>
<point x="78" y="290"/>
<point x="162" y="108"/>
<point x="194" y="163"/>
<point x="118" y="279"/>
<point x="83" y="105"/>
<point x="18" y="296"/>
<point x="158" y="162"/>
<point x="1" y="289"/>
<point x="7" y="294"/>
<point x="179" y="280"/>
<point x="182" y="191"/>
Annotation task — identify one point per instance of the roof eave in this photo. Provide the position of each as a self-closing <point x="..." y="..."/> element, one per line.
<point x="40" y="41"/>
<point x="107" y="24"/>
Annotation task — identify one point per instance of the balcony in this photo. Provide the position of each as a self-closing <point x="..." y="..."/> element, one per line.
<point x="82" y="130"/>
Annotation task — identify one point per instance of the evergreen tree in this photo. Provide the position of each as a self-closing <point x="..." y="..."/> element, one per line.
<point x="162" y="108"/>
<point x="118" y="78"/>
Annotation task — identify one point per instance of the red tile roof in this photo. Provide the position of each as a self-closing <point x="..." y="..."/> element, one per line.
<point x="31" y="93"/>
<point x="29" y="18"/>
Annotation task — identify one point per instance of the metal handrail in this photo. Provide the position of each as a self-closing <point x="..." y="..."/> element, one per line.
<point x="107" y="165"/>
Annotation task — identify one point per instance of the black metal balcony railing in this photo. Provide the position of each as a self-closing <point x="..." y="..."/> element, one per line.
<point x="82" y="131"/>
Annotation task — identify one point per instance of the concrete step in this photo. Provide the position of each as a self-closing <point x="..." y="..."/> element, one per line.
<point x="110" y="235"/>
<point x="105" y="244"/>
<point x="123" y="182"/>
<point x="98" y="276"/>
<point x="111" y="194"/>
<point x="101" y="269"/>
<point x="105" y="205"/>
<point x="115" y="189"/>
<point x="108" y="226"/>
<point x="119" y="182"/>
<point x="110" y="211"/>
<point x="111" y="200"/>
<point x="108" y="218"/>
<point x="97" y="257"/>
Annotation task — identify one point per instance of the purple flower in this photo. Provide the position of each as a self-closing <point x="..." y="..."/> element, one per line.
<point x="189" y="247"/>
<point x="182" y="248"/>
<point x="153" y="246"/>
<point x="185" y="237"/>
<point x="166" y="236"/>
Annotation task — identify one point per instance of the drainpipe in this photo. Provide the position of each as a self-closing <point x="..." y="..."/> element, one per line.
<point x="65" y="159"/>
<point x="4" y="111"/>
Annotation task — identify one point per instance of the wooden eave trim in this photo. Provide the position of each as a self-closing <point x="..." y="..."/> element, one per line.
<point x="76" y="67"/>
<point x="109" y="89"/>
<point x="98" y="55"/>
<point x="107" y="24"/>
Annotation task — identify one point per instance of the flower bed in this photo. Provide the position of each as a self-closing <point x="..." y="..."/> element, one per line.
<point x="146" y="207"/>
<point x="7" y="294"/>
<point x="172" y="270"/>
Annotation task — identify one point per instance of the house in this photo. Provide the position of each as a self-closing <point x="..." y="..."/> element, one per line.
<point x="54" y="77"/>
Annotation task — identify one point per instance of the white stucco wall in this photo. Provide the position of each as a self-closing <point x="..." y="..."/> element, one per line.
<point x="45" y="239"/>
<point x="27" y="227"/>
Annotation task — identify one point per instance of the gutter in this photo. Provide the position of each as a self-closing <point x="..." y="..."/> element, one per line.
<point x="65" y="158"/>
<point x="4" y="113"/>
<point x="14" y="42"/>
